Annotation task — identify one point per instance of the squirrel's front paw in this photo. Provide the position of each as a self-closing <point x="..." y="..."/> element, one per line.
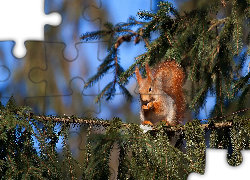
<point x="147" y="123"/>
<point x="150" y="105"/>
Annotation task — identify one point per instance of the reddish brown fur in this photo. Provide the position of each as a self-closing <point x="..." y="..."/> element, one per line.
<point x="171" y="77"/>
<point x="174" y="85"/>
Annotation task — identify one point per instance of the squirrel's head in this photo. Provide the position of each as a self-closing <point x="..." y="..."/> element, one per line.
<point x="146" y="85"/>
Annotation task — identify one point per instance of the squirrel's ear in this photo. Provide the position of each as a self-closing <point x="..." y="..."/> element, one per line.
<point x="149" y="73"/>
<point x="138" y="75"/>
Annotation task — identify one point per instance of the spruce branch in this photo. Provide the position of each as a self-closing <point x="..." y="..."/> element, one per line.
<point x="108" y="88"/>
<point x="97" y="76"/>
<point x="240" y="83"/>
<point x="216" y="22"/>
<point x="126" y="38"/>
<point x="105" y="123"/>
<point x="242" y="98"/>
<point x="237" y="31"/>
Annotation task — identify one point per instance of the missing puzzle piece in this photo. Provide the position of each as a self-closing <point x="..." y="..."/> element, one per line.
<point x="19" y="20"/>
<point x="218" y="168"/>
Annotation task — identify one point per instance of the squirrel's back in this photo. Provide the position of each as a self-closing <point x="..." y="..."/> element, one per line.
<point x="172" y="76"/>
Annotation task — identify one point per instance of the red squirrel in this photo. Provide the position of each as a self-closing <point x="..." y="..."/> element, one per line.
<point x="161" y="94"/>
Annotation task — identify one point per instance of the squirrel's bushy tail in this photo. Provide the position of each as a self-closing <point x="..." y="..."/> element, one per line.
<point x="173" y="85"/>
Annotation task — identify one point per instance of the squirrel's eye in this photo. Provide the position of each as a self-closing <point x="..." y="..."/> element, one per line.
<point x="150" y="89"/>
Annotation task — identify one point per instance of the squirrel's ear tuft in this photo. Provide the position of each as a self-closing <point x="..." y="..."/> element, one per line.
<point x="149" y="73"/>
<point x="138" y="75"/>
<point x="147" y="67"/>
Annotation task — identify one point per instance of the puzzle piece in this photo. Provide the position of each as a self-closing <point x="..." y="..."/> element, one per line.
<point x="72" y="24"/>
<point x="86" y="16"/>
<point x="218" y="168"/>
<point x="13" y="27"/>
<point x="59" y="89"/>
<point x="17" y="70"/>
<point x="4" y="73"/>
<point x="77" y="143"/>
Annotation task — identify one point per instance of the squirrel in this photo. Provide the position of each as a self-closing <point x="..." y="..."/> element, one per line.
<point x="161" y="94"/>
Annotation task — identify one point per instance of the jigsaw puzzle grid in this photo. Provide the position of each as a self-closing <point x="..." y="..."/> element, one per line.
<point x="51" y="76"/>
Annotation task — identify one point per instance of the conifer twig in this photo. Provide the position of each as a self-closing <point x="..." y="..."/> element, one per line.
<point x="217" y="22"/>
<point x="222" y="117"/>
<point x="126" y="38"/>
<point x="105" y="123"/>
